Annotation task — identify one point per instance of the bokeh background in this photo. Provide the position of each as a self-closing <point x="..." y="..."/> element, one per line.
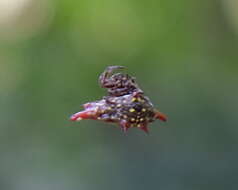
<point x="184" y="55"/>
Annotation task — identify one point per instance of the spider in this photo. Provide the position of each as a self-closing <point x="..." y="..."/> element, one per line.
<point x="125" y="103"/>
<point x="118" y="84"/>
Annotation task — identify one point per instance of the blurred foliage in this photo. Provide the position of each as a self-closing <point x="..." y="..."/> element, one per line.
<point x="184" y="55"/>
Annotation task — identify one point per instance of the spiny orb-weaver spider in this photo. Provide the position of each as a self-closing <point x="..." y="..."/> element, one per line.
<point x="125" y="104"/>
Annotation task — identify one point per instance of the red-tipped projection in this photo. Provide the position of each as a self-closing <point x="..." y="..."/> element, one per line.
<point x="79" y="116"/>
<point x="161" y="116"/>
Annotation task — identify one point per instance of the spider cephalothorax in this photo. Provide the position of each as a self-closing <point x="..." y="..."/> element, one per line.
<point x="118" y="84"/>
<point x="125" y="104"/>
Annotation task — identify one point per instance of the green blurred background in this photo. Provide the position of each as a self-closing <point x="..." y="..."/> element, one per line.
<point x="184" y="55"/>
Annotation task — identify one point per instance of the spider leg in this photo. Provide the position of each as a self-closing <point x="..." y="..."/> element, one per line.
<point x="110" y="69"/>
<point x="103" y="78"/>
<point x="137" y="93"/>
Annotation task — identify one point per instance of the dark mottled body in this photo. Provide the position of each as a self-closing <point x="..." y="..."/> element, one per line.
<point x="133" y="109"/>
<point x="125" y="103"/>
